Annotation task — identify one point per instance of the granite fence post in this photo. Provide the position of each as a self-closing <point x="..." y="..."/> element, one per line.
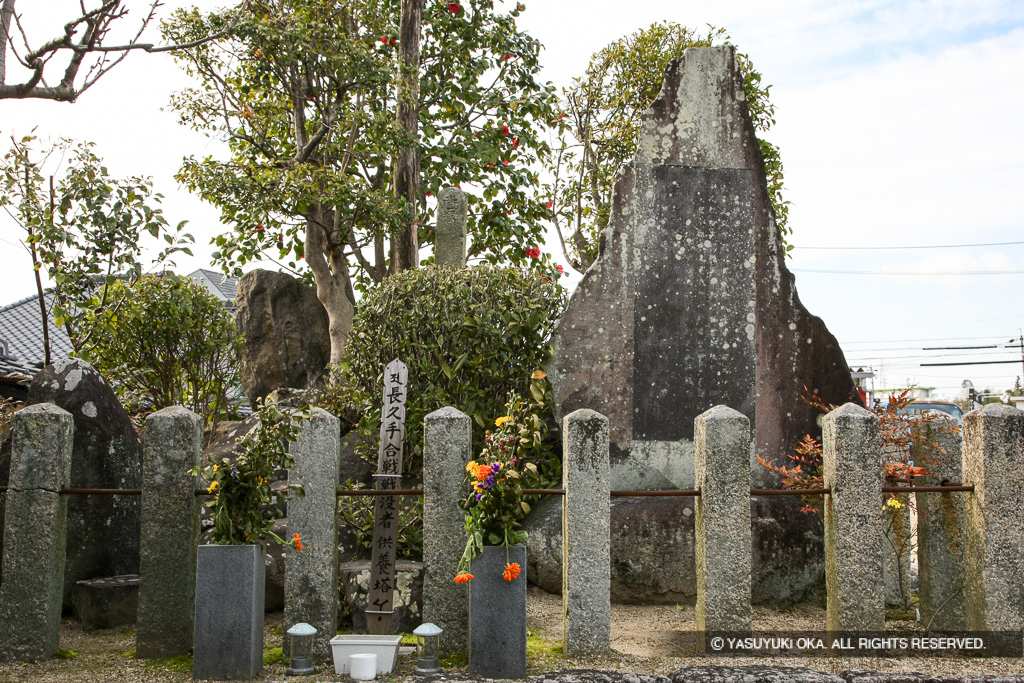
<point x="852" y="466"/>
<point x="586" y="534"/>
<point x="170" y="534"/>
<point x="35" y="524"/>
<point x="721" y="465"/>
<point x="450" y="240"/>
<point x="447" y="447"/>
<point x="994" y="462"/>
<point x="311" y="575"/>
<point x="941" y="525"/>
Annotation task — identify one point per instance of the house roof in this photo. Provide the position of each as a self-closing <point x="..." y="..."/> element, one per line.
<point x="21" y="327"/>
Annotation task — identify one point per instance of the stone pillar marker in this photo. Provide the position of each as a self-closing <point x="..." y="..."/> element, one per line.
<point x="450" y="235"/>
<point x="447" y="447"/>
<point x="721" y="466"/>
<point x="852" y="467"/>
<point x="586" y="534"/>
<point x="941" y="527"/>
<point x="311" y="575"/>
<point x="170" y="534"/>
<point x="994" y="462"/>
<point x="35" y="534"/>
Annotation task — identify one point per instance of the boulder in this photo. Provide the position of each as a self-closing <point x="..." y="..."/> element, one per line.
<point x="103" y="531"/>
<point x="354" y="579"/>
<point x="287" y="343"/>
<point x="652" y="550"/>
<point x="107" y="602"/>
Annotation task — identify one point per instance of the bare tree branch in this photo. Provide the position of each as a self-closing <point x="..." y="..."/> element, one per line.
<point x="96" y="24"/>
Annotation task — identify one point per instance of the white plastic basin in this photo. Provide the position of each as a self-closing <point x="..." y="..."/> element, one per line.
<point x="385" y="647"/>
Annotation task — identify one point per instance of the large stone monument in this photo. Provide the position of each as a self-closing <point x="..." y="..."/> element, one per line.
<point x="689" y="304"/>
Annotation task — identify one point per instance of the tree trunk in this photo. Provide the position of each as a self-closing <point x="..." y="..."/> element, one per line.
<point x="5" y="36"/>
<point x="333" y="286"/>
<point x="405" y="245"/>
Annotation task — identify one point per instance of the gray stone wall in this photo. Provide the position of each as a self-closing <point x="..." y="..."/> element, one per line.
<point x="586" y="596"/>
<point x="35" y="534"/>
<point x="447" y="447"/>
<point x="170" y="534"/>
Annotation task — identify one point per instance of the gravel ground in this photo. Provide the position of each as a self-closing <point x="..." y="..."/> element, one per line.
<point x="645" y="640"/>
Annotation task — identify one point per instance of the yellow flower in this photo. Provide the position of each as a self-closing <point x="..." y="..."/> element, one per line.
<point x="538" y="374"/>
<point x="501" y="420"/>
<point x="215" y="467"/>
<point x="471" y="466"/>
<point x="894" y="504"/>
<point x="213" y="487"/>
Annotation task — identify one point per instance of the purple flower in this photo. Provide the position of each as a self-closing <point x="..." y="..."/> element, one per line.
<point x="479" y="496"/>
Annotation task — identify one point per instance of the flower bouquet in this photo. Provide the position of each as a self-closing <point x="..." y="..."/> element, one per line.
<point x="497" y="477"/>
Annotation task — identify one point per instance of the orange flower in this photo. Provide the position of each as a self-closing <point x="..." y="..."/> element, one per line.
<point x="464" y="577"/>
<point x="511" y="571"/>
<point x="298" y="542"/>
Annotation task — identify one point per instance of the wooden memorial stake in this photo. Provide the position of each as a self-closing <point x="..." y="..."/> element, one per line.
<point x="385" y="511"/>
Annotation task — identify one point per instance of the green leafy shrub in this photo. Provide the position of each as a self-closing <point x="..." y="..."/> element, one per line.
<point x="170" y="342"/>
<point x="241" y="492"/>
<point x="470" y="338"/>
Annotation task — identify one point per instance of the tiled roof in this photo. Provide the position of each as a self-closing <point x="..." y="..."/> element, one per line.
<point x="224" y="287"/>
<point x="21" y="325"/>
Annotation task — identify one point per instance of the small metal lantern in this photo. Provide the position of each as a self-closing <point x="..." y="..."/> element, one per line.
<point x="300" y="645"/>
<point x="428" y="644"/>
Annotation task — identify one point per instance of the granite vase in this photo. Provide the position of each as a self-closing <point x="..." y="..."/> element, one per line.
<point x="497" y="614"/>
<point x="230" y="586"/>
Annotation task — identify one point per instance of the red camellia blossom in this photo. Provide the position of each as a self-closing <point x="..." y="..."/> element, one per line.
<point x="515" y="142"/>
<point x="533" y="252"/>
<point x="560" y="269"/>
<point x="549" y="205"/>
<point x="384" y="40"/>
<point x="393" y="41"/>
<point x="504" y="130"/>
<point x="454" y="7"/>
<point x="505" y="58"/>
<point x="505" y="162"/>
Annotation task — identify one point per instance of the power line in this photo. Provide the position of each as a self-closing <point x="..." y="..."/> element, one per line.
<point x="923" y="246"/>
<point x="908" y="273"/>
<point x="978" y="362"/>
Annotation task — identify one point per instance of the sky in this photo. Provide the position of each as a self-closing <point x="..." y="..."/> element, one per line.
<point x="898" y="124"/>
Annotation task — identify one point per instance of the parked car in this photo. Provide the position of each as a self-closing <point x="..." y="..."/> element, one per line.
<point x="918" y="407"/>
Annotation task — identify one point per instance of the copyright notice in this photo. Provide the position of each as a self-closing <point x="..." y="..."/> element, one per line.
<point x="859" y="644"/>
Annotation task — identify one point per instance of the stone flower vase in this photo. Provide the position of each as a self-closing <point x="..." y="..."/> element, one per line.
<point x="497" y="614"/>
<point x="228" y="643"/>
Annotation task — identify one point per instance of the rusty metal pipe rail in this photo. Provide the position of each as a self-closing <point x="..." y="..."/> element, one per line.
<point x="691" y="493"/>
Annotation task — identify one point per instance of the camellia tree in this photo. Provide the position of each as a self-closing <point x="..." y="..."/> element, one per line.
<point x="313" y="104"/>
<point x="600" y="127"/>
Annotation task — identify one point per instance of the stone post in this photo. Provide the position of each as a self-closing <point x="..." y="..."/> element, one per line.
<point x="447" y="447"/>
<point x="311" y="575"/>
<point x="450" y="236"/>
<point x="170" y="534"/>
<point x="721" y="466"/>
<point x="35" y="538"/>
<point x="586" y="534"/>
<point x="941" y="524"/>
<point x="853" y="520"/>
<point x="994" y="463"/>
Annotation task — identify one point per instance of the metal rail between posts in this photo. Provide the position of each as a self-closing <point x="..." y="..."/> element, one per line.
<point x="691" y="493"/>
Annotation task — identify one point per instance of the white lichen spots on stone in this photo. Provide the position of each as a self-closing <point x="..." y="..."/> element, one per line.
<point x="725" y="346"/>
<point x="750" y="332"/>
<point x="792" y="326"/>
<point x="72" y="379"/>
<point x="89" y="409"/>
<point x="707" y="244"/>
<point x="808" y="340"/>
<point x="714" y="280"/>
<point x="688" y="221"/>
<point x="750" y="317"/>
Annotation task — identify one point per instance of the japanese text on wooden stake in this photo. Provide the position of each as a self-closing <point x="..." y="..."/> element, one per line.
<point x="385" y="512"/>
